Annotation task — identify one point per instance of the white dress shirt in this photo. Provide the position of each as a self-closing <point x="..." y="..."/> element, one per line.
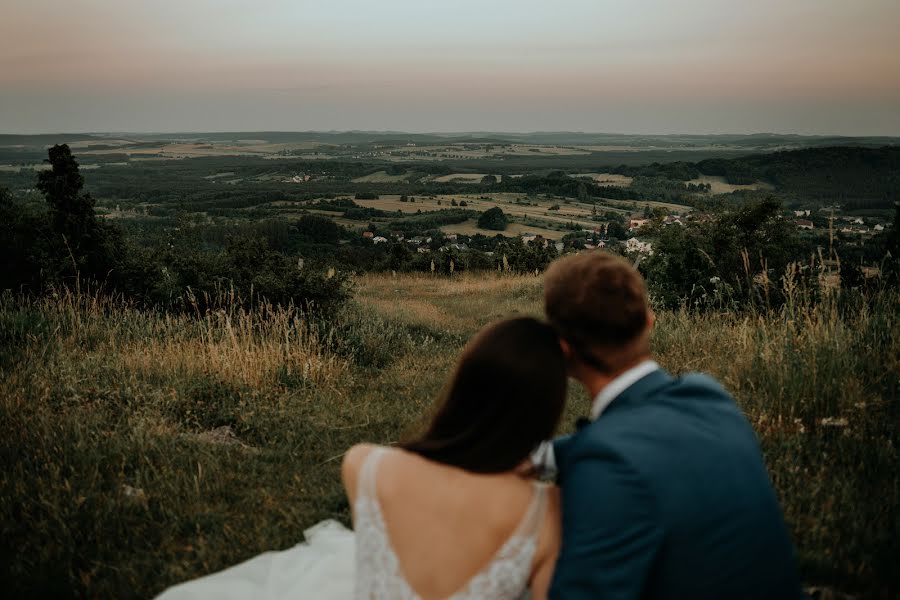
<point x="543" y="457"/>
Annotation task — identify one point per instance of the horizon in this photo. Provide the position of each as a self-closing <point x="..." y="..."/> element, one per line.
<point x="461" y="132"/>
<point x="809" y="67"/>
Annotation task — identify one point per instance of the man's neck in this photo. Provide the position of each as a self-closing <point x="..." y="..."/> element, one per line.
<point x="595" y="381"/>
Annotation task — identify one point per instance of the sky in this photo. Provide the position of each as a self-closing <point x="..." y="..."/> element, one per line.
<point x="617" y="66"/>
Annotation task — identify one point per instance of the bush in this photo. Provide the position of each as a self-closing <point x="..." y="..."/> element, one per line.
<point x="493" y="219"/>
<point x="319" y="230"/>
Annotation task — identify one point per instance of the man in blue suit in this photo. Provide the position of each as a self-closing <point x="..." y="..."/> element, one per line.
<point x="664" y="490"/>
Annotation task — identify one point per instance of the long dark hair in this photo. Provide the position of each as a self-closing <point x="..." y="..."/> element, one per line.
<point x="506" y="395"/>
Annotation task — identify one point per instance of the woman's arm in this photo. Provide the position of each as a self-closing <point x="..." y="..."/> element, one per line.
<point x="548" y="547"/>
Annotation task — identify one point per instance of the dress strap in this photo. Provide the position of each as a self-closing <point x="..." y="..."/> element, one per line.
<point x="534" y="514"/>
<point x="365" y="485"/>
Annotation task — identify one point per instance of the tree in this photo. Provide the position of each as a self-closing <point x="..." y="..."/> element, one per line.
<point x="398" y="256"/>
<point x="494" y="219"/>
<point x="740" y="250"/>
<point x="25" y="238"/>
<point x="85" y="245"/>
<point x="616" y="230"/>
<point x="318" y="230"/>
<point x="582" y="191"/>
<point x="489" y="180"/>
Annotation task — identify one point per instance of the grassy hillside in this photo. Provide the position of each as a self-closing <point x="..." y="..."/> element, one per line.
<point x="140" y="449"/>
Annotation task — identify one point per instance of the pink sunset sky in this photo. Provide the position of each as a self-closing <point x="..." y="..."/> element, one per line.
<point x="637" y="66"/>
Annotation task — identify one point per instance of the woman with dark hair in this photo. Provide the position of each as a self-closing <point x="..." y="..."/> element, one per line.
<point x="445" y="514"/>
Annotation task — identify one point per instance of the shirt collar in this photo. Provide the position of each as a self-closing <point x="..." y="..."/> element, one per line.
<point x="618" y="385"/>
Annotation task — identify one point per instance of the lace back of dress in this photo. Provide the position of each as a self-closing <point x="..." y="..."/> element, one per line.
<point x="378" y="574"/>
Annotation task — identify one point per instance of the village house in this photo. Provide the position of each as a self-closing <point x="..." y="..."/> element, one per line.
<point x="672" y="220"/>
<point x="378" y="239"/>
<point x="801" y="213"/>
<point x="804" y="224"/>
<point x="637" y="223"/>
<point x="368" y="235"/>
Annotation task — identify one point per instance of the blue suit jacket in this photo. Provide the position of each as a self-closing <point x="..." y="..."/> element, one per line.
<point x="666" y="496"/>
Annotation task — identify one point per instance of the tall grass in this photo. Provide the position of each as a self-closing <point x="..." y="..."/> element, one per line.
<point x="141" y="448"/>
<point x="820" y="383"/>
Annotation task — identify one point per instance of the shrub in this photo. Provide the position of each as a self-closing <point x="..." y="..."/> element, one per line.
<point x="493" y="219"/>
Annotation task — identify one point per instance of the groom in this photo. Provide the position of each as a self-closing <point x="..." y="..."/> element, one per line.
<point x="664" y="491"/>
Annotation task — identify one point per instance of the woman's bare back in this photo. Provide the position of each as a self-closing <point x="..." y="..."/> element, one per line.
<point x="446" y="525"/>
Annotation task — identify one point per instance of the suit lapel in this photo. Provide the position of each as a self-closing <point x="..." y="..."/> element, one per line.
<point x="637" y="392"/>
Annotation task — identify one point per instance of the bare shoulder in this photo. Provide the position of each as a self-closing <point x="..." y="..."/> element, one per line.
<point x="351" y="465"/>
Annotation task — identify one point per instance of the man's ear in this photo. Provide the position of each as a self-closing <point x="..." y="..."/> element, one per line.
<point x="572" y="361"/>
<point x="651" y="319"/>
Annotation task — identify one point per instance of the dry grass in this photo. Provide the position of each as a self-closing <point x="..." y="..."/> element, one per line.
<point x="535" y="209"/>
<point x="608" y="178"/>
<point x="718" y="185"/>
<point x="380" y="177"/>
<point x="231" y="424"/>
<point x="461" y="178"/>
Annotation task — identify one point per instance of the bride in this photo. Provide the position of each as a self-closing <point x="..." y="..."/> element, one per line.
<point x="445" y="515"/>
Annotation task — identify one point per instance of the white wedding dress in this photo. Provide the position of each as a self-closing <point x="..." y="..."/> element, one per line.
<point x="333" y="564"/>
<point x="320" y="568"/>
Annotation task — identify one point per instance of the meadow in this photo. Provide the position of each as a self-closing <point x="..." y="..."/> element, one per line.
<point x="141" y="448"/>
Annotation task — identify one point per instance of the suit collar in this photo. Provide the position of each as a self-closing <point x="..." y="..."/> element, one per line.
<point x="643" y="387"/>
<point x="614" y="388"/>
